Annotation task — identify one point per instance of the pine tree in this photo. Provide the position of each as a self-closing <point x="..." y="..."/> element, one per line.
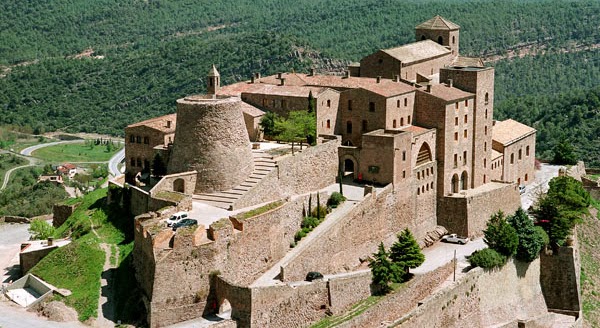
<point x="530" y="239"/>
<point x="383" y="270"/>
<point x="500" y="236"/>
<point x="406" y="253"/>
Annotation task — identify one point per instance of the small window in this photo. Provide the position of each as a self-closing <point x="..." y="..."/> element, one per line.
<point x="487" y="98"/>
<point x="466" y="102"/>
<point x="398" y="103"/>
<point x="486" y="114"/>
<point x="512" y="158"/>
<point x="455" y="136"/>
<point x="349" y="104"/>
<point x="403" y="174"/>
<point x="520" y="154"/>
<point x="138" y="139"/>
<point x="132" y="161"/>
<point x="527" y="151"/>
<point x="466" y="119"/>
<point x="371" y="106"/>
<point x="283" y="104"/>
<point x="453" y="39"/>
<point x="132" y="138"/>
<point x="404" y="155"/>
<point x="464" y="157"/>
<point x="264" y="102"/>
<point x="418" y="175"/>
<point x="380" y="61"/>
<point x="456" y="105"/>
<point x="348" y="127"/>
<point x="526" y="177"/>
<point x="456" y="121"/>
<point x="364" y="125"/>
<point x="465" y="134"/>
<point x="146" y="140"/>
<point x="374" y="169"/>
<point x="402" y="121"/>
<point x="405" y="102"/>
<point x="329" y="124"/>
<point x="484" y="178"/>
<point x="408" y="119"/>
<point x="485" y="130"/>
<point x="484" y="163"/>
<point x="328" y="103"/>
<point x="455" y="160"/>
<point x="485" y="146"/>
<point x="139" y="162"/>
<point x="394" y="124"/>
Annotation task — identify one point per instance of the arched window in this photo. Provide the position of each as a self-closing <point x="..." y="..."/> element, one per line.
<point x="520" y="154"/>
<point x="487" y="98"/>
<point x="440" y="40"/>
<point x="402" y="121"/>
<point x="454" y="183"/>
<point x="512" y="158"/>
<point x="453" y="39"/>
<point x="424" y="154"/>
<point x="179" y="185"/>
<point x="329" y="124"/>
<point x="527" y="151"/>
<point x="405" y="102"/>
<point x="394" y="124"/>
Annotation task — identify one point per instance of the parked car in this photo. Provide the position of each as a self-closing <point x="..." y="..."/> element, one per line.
<point x="454" y="238"/>
<point x="176" y="218"/>
<point x="521" y="189"/>
<point x="184" y="223"/>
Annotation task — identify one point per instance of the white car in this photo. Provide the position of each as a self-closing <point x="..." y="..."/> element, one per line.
<point x="454" y="238"/>
<point x="176" y="218"/>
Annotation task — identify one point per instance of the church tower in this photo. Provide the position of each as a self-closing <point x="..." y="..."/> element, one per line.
<point x="441" y="31"/>
<point x="213" y="81"/>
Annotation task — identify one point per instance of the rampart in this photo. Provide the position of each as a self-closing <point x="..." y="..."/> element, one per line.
<point x="61" y="212"/>
<point x="312" y="169"/>
<point x="142" y="201"/>
<point x="467" y="214"/>
<point x="378" y="217"/>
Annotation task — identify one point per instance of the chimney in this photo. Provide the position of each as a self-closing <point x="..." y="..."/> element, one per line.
<point x="279" y="75"/>
<point x="256" y="76"/>
<point x="379" y="79"/>
<point x="168" y="124"/>
<point x="397" y="78"/>
<point x="50" y="241"/>
<point x="450" y="83"/>
<point x="252" y="79"/>
<point x="429" y="88"/>
<point x="313" y="71"/>
<point x="282" y="81"/>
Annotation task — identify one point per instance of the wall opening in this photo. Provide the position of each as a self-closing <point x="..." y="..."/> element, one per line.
<point x="349" y="167"/>
<point x="424" y="154"/>
<point x="454" y="183"/>
<point x="225" y="309"/>
<point x="465" y="180"/>
<point x="440" y="40"/>
<point x="179" y="185"/>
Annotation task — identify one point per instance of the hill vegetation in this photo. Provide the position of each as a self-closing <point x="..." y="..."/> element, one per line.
<point x="96" y="66"/>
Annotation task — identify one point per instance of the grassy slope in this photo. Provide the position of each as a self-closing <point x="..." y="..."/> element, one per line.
<point x="589" y="234"/>
<point x="78" y="267"/>
<point x="7" y="162"/>
<point x="74" y="153"/>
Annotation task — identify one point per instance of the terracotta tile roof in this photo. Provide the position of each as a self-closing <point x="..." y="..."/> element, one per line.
<point x="385" y="87"/>
<point x="251" y="110"/>
<point x="509" y="131"/>
<point x="437" y="23"/>
<point x="236" y="89"/>
<point x="158" y="123"/>
<point x="461" y="61"/>
<point x="417" y="51"/>
<point x="69" y="166"/>
<point x="290" y="79"/>
<point x="449" y="94"/>
<point x="285" y="90"/>
<point x="414" y="129"/>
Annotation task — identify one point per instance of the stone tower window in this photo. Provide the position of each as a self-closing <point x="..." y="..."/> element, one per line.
<point x="440" y="40"/>
<point x="487" y="98"/>
<point x="466" y="119"/>
<point x="455" y="160"/>
<point x="512" y="158"/>
<point x="485" y="163"/>
<point x="485" y="146"/>
<point x="453" y="39"/>
<point x="455" y="136"/>
<point x="349" y="127"/>
<point x="371" y="106"/>
<point x="405" y="102"/>
<point x="349" y="104"/>
<point x="465" y="157"/>
<point x="408" y="119"/>
<point x="486" y="115"/>
<point x="456" y="121"/>
<point x="329" y="124"/>
<point x="402" y="121"/>
<point x="404" y="155"/>
<point x="456" y="105"/>
<point x="364" y="125"/>
<point x="146" y="140"/>
<point x="328" y="103"/>
<point x="520" y="154"/>
<point x="526" y="177"/>
<point x="465" y="134"/>
<point x="398" y="103"/>
<point x="394" y="124"/>
<point x="132" y="138"/>
<point x="527" y="151"/>
<point x="485" y="130"/>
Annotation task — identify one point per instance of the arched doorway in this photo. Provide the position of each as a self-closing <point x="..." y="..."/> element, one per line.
<point x="179" y="185"/>
<point x="440" y="40"/>
<point x="349" y="167"/>
<point x="225" y="309"/>
<point x="464" y="178"/>
<point x="455" y="183"/>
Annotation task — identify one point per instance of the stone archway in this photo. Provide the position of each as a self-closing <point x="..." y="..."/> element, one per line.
<point x="179" y="185"/>
<point x="349" y="167"/>
<point x="464" y="178"/>
<point x="455" y="183"/>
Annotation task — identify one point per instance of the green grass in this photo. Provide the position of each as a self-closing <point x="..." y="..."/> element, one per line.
<point x="356" y="310"/>
<point x="76" y="267"/>
<point x="170" y="196"/>
<point x="259" y="210"/>
<point x="79" y="220"/>
<point x="78" y="152"/>
<point x="7" y="162"/>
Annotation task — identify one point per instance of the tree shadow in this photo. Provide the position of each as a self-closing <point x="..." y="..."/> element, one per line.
<point x="521" y="267"/>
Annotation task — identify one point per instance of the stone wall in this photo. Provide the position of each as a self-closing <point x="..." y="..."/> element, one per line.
<point x="347" y="289"/>
<point x="483" y="299"/>
<point x="14" y="219"/>
<point x="313" y="168"/>
<point x="560" y="279"/>
<point x="467" y="213"/>
<point x="377" y="218"/>
<point x="179" y="182"/>
<point x="28" y="260"/>
<point x="60" y="213"/>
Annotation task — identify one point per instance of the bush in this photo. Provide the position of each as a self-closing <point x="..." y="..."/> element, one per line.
<point x="40" y="229"/>
<point x="530" y="240"/>
<point x="501" y="236"/>
<point x="486" y="258"/>
<point x="322" y="211"/>
<point x="299" y="235"/>
<point x="310" y="222"/>
<point x="335" y="199"/>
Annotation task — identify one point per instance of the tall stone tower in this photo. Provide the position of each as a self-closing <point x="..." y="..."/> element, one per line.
<point x="211" y="138"/>
<point x="480" y="81"/>
<point x="441" y="31"/>
<point x="213" y="81"/>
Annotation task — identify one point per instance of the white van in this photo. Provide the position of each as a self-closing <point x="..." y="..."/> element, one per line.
<point x="176" y="218"/>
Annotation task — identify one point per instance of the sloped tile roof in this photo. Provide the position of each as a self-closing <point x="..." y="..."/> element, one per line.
<point x="251" y="110"/>
<point x="417" y="51"/>
<point x="158" y="123"/>
<point x="461" y="61"/>
<point x="508" y="131"/>
<point x="438" y="23"/>
<point x="449" y="94"/>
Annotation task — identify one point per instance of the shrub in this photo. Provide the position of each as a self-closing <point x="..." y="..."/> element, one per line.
<point x="310" y="222"/>
<point x="322" y="211"/>
<point x="299" y="235"/>
<point x="40" y="229"/>
<point x="335" y="199"/>
<point x="501" y="236"/>
<point x="486" y="258"/>
<point x="530" y="240"/>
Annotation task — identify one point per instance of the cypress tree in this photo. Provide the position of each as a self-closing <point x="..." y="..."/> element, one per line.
<point x="382" y="269"/>
<point x="406" y="253"/>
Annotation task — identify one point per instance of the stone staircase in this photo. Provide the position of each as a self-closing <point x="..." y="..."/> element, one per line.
<point x="263" y="165"/>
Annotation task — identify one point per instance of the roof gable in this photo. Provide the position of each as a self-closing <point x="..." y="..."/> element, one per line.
<point x="437" y="23"/>
<point x="417" y="51"/>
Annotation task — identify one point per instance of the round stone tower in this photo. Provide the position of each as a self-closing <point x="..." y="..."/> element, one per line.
<point x="211" y="138"/>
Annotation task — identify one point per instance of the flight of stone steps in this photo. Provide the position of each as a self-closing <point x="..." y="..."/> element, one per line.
<point x="263" y="165"/>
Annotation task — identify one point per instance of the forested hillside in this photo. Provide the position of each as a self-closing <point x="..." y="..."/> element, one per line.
<point x="98" y="65"/>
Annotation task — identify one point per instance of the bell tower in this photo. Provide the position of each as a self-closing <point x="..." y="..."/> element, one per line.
<point x="441" y="31"/>
<point x="213" y="81"/>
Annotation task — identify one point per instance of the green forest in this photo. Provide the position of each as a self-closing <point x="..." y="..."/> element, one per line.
<point x="146" y="54"/>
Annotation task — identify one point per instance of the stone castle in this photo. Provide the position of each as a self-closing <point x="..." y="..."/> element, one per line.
<point x="415" y="121"/>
